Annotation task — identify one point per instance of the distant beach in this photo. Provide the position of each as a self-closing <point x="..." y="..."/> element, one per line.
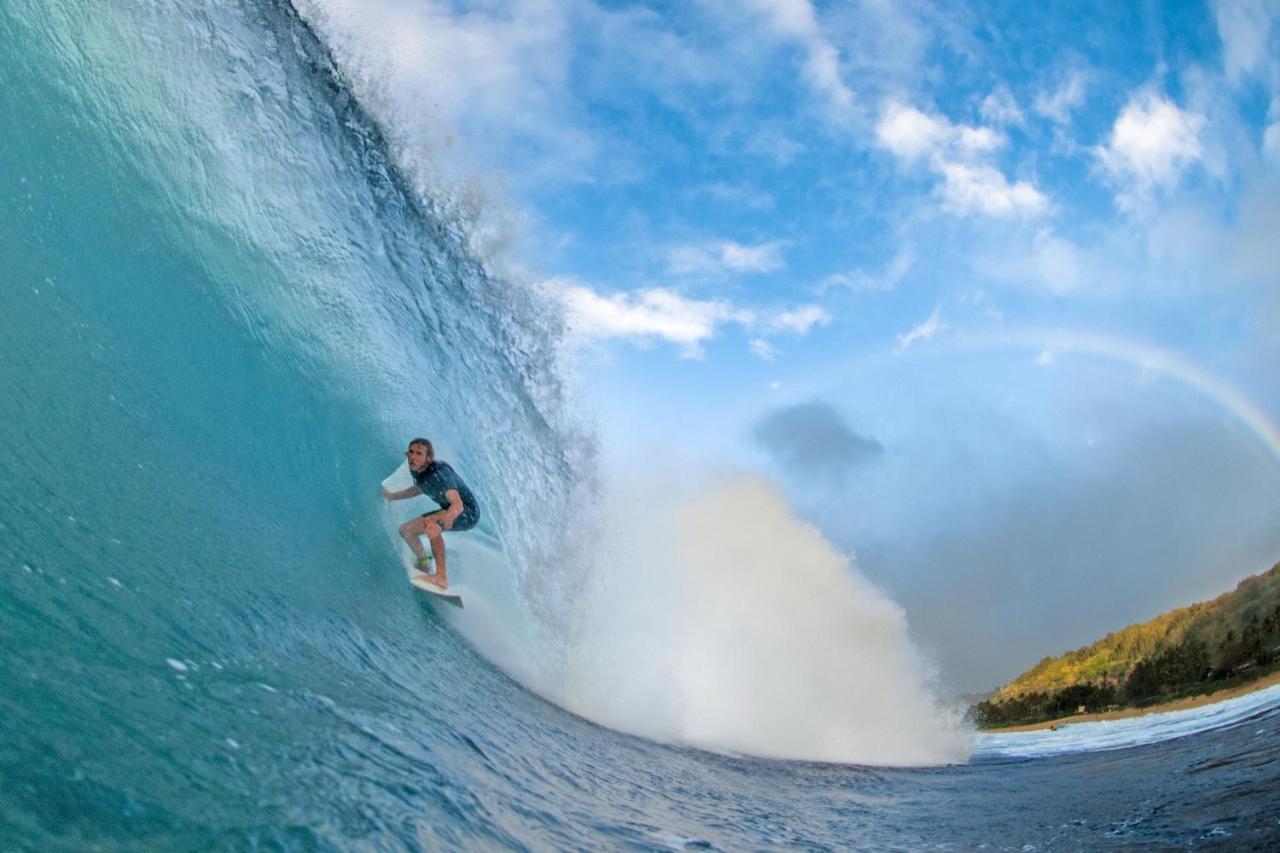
<point x="1184" y="704"/>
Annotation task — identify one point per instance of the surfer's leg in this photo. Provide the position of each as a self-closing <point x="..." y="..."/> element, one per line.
<point x="410" y="531"/>
<point x="435" y="535"/>
<point x="437" y="551"/>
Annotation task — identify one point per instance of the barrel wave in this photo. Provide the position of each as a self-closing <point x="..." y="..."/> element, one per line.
<point x="229" y="303"/>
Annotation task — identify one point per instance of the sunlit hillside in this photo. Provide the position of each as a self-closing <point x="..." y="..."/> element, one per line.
<point x="1192" y="650"/>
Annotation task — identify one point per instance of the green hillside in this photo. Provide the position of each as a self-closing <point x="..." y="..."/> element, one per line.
<point x="1192" y="650"/>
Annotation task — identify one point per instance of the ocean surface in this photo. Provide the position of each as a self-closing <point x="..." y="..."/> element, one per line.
<point x="226" y="310"/>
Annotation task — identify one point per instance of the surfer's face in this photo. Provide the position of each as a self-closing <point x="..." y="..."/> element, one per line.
<point x="418" y="457"/>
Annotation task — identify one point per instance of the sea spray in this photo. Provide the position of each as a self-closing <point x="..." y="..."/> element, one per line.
<point x="449" y="96"/>
<point x="717" y="619"/>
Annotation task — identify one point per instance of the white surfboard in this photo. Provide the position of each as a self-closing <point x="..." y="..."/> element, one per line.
<point x="449" y="595"/>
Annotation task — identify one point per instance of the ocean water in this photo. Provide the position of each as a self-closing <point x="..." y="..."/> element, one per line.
<point x="226" y="309"/>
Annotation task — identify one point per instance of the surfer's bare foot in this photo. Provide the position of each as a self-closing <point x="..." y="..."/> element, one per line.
<point x="434" y="580"/>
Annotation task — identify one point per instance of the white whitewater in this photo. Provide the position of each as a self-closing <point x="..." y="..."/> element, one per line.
<point x="1132" y="731"/>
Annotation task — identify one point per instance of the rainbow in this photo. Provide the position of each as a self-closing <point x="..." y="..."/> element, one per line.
<point x="1155" y="359"/>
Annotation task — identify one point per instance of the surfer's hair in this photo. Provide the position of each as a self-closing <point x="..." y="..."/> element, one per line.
<point x="431" y="451"/>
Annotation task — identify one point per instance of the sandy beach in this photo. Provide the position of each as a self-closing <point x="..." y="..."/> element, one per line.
<point x="1178" y="705"/>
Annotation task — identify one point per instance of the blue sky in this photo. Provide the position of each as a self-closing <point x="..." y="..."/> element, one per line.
<point x="972" y="236"/>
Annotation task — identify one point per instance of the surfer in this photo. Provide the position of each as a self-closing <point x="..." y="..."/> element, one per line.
<point x="458" y="508"/>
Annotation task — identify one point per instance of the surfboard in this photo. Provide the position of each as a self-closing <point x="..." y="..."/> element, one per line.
<point x="449" y="595"/>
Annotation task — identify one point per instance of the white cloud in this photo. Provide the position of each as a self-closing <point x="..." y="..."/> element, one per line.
<point x="1187" y="239"/>
<point x="923" y="332"/>
<point x="662" y="314"/>
<point x="763" y="349"/>
<point x="799" y="321"/>
<point x="1060" y="103"/>
<point x="725" y="256"/>
<point x="772" y="141"/>
<point x="886" y="46"/>
<point x="909" y="133"/>
<point x="1152" y="144"/>
<point x="739" y="258"/>
<point x="1047" y="262"/>
<point x="886" y="280"/>
<point x="1058" y="263"/>
<point x="958" y="154"/>
<point x="1271" y="145"/>
<point x="1244" y="27"/>
<point x="655" y="313"/>
<point x="1001" y="108"/>
<point x="983" y="189"/>
<point x="797" y="21"/>
<point x="914" y="135"/>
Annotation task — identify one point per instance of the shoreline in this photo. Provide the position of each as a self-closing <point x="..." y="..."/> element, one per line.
<point x="1184" y="704"/>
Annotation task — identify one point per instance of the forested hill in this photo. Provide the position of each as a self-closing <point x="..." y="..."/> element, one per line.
<point x="1192" y="650"/>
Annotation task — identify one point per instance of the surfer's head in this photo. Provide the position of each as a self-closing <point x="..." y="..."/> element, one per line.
<point x="420" y="454"/>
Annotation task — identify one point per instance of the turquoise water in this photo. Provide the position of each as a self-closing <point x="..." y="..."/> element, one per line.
<point x="224" y="315"/>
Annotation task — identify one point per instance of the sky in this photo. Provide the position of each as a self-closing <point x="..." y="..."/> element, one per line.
<point x="990" y="291"/>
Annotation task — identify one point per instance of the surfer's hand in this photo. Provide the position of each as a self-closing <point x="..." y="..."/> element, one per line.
<point x="386" y="496"/>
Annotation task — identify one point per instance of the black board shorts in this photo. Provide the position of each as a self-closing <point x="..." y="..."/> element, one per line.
<point x="467" y="520"/>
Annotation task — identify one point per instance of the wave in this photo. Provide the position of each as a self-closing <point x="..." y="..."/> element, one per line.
<point x="269" y="301"/>
<point x="810" y="662"/>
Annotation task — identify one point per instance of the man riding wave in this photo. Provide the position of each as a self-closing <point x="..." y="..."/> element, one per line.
<point x="458" y="508"/>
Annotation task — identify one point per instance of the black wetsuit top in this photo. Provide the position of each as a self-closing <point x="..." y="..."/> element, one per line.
<point x="438" y="478"/>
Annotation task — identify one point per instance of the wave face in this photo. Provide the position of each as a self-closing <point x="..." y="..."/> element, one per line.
<point x="226" y="311"/>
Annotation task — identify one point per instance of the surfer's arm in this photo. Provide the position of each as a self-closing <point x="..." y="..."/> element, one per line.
<point x="456" y="506"/>
<point x="411" y="492"/>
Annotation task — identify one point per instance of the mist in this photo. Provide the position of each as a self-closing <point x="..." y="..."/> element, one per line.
<point x="718" y="619"/>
